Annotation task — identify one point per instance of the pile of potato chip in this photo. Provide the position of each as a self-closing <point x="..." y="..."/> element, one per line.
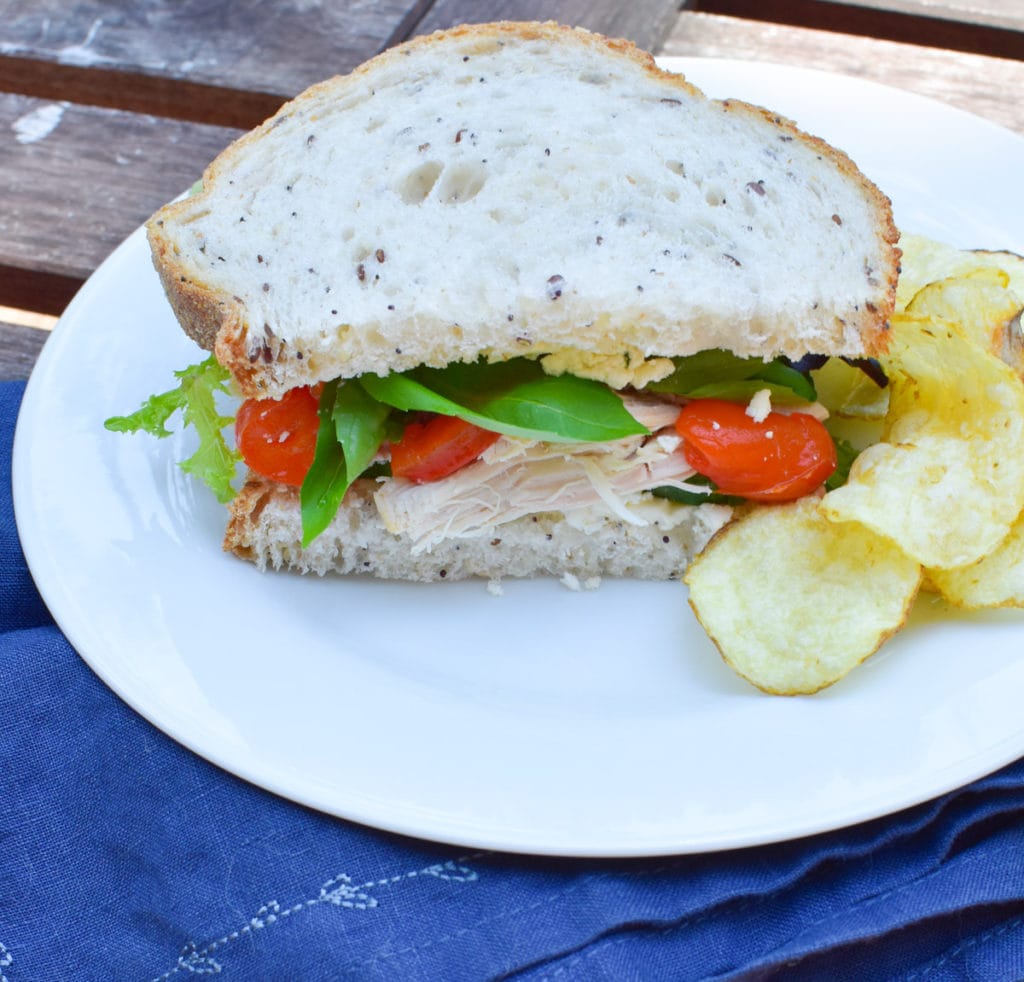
<point x="797" y="595"/>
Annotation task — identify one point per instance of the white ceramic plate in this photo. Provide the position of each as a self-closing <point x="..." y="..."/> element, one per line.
<point x="592" y="723"/>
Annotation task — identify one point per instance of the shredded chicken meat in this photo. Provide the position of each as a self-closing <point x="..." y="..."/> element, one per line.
<point x="517" y="477"/>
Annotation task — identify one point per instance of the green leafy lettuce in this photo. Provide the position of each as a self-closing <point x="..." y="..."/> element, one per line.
<point x="214" y="461"/>
<point x="516" y="398"/>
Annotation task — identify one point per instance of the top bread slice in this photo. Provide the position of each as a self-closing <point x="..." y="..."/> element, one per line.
<point x="510" y="189"/>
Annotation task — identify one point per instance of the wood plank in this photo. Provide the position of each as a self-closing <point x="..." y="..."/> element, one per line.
<point x="879" y="20"/>
<point x="986" y="86"/>
<point x="145" y="94"/>
<point x="19" y="349"/>
<point x="645" y="22"/>
<point x="995" y="13"/>
<point x="241" y="49"/>
<point x="78" y="180"/>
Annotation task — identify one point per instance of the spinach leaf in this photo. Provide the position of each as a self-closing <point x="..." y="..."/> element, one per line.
<point x="516" y="398"/>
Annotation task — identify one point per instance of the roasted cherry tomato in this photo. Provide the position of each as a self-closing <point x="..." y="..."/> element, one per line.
<point x="780" y="459"/>
<point x="436" y="446"/>
<point x="277" y="437"/>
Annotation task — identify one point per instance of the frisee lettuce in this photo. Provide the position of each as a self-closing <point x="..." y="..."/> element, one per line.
<point x="214" y="462"/>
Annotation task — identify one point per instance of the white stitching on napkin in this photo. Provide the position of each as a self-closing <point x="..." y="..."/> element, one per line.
<point x="6" y="960"/>
<point x="338" y="891"/>
<point x="963" y="946"/>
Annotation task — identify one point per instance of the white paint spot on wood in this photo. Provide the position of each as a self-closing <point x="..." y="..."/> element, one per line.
<point x="79" y="54"/>
<point x="38" y="124"/>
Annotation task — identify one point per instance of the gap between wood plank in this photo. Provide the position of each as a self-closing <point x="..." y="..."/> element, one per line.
<point x="148" y="94"/>
<point x="886" y="25"/>
<point x="29" y="289"/>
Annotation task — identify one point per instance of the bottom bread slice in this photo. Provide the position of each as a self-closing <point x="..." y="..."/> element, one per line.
<point x="265" y="528"/>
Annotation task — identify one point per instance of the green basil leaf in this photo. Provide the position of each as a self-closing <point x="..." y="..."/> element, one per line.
<point x="716" y="373"/>
<point x="846" y="454"/>
<point x="565" y="408"/>
<point x="360" y="425"/>
<point x="704" y="367"/>
<point x="743" y="390"/>
<point x="778" y="373"/>
<point x="214" y="462"/>
<point x="711" y="497"/>
<point x="326" y="480"/>
<point x="352" y="428"/>
<point x="516" y="398"/>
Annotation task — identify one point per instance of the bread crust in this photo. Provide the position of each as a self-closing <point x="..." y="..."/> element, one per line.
<point x="254" y="354"/>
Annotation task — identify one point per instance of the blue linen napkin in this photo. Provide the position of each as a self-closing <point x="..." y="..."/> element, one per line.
<point x="124" y="856"/>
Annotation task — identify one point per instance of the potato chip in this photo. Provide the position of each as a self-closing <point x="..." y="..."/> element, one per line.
<point x="995" y="581"/>
<point x="982" y="305"/>
<point x="947" y="483"/>
<point x="925" y="261"/>
<point x="793" y="601"/>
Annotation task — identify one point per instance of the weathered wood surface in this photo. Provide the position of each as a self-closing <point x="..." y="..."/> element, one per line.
<point x="19" y="349"/>
<point x="233" y="64"/>
<point x="645" y="22"/>
<point x="994" y="13"/>
<point x="277" y="47"/>
<point x="108" y="110"/>
<point x="78" y="179"/>
<point x="935" y="25"/>
<point x="986" y="86"/>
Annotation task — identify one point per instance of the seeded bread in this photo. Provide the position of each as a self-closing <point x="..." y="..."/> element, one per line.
<point x="264" y="528"/>
<point x="520" y="188"/>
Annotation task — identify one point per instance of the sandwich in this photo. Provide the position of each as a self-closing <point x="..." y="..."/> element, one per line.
<point x="509" y="300"/>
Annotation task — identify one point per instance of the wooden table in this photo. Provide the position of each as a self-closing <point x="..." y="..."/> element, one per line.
<point x="107" y="109"/>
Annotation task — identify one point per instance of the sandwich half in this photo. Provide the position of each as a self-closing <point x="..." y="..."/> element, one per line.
<point x="536" y="232"/>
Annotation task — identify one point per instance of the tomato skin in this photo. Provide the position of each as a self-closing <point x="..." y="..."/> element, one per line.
<point x="780" y="459"/>
<point x="277" y="437"/>
<point x="436" y="446"/>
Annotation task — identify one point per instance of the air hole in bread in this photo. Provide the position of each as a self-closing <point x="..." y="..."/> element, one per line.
<point x="714" y="197"/>
<point x="419" y="182"/>
<point x="676" y="166"/>
<point x="461" y="183"/>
